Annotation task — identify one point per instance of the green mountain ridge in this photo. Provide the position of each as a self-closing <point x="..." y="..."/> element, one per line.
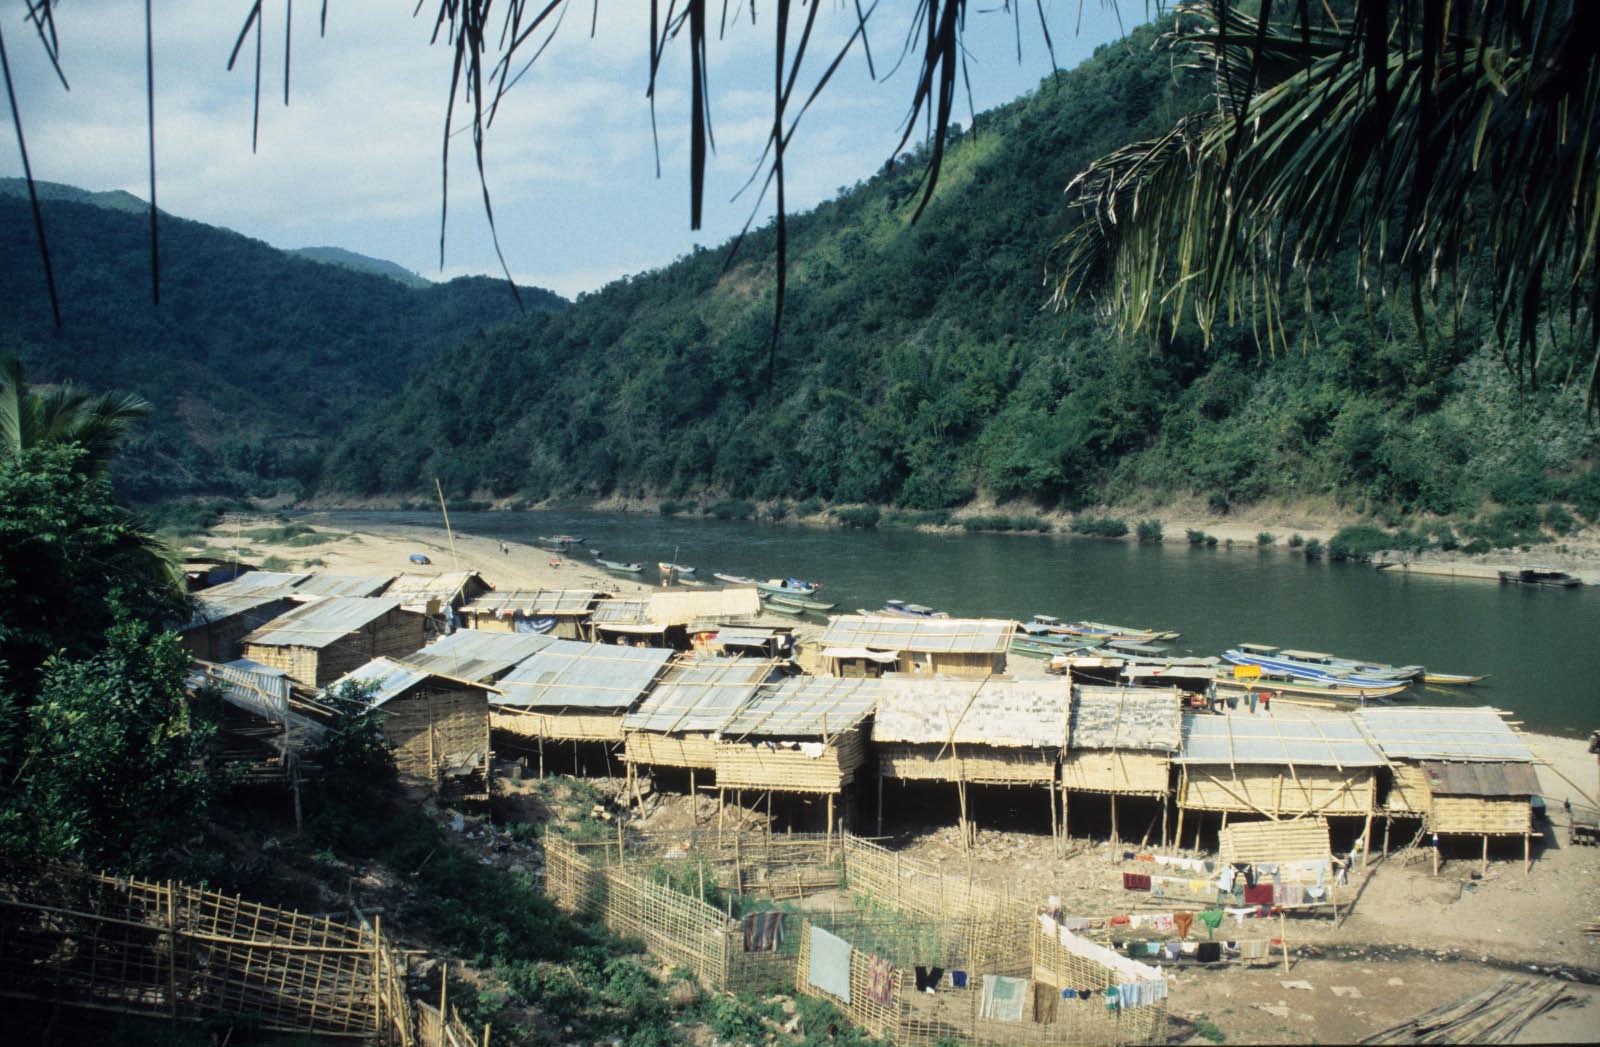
<point x="254" y="359"/>
<point x="363" y="264"/>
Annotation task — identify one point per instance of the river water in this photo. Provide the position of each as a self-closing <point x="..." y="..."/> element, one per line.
<point x="1539" y="645"/>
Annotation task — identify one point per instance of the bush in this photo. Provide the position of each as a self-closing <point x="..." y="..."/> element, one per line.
<point x="1296" y="541"/>
<point x="1265" y="538"/>
<point x="1100" y="526"/>
<point x="671" y="507"/>
<point x="858" y="516"/>
<point x="924" y="518"/>
<point x="1314" y="549"/>
<point x="734" y="509"/>
<point x="1360" y="542"/>
<point x="809" y="507"/>
<point x="1557" y="519"/>
<point x="1516" y="526"/>
<point x="1002" y="522"/>
<point x="1198" y="537"/>
<point x="1149" y="531"/>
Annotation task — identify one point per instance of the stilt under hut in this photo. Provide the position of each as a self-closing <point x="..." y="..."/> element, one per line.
<point x="318" y="642"/>
<point x="677" y="723"/>
<point x="870" y="645"/>
<point x="971" y="732"/>
<point x="576" y="693"/>
<point x="482" y="656"/>
<point x="438" y="725"/>
<point x="1286" y="764"/>
<point x="802" y="734"/>
<point x="558" y="612"/>
<point x="1120" y="742"/>
<point x="1464" y="772"/>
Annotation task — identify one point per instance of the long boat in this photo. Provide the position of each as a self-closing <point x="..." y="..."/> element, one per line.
<point x="1541" y="576"/>
<point x="734" y="579"/>
<point x="1453" y="679"/>
<point x="1228" y="686"/>
<point x="673" y="568"/>
<point x="798" y="601"/>
<point x="1315" y="665"/>
<point x="901" y="609"/>
<point x="788" y="587"/>
<point x="619" y="567"/>
<point x="782" y="607"/>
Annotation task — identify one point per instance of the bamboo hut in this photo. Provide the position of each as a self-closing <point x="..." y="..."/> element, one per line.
<point x="203" y="572"/>
<point x="1120" y="742"/>
<point x="217" y="627"/>
<point x="265" y="721"/>
<point x="260" y="583"/>
<point x="577" y="692"/>
<point x="320" y="641"/>
<point x="748" y="642"/>
<point x="344" y="585"/>
<point x="1280" y="765"/>
<point x="439" y="594"/>
<point x="870" y="645"/>
<point x="803" y="734"/>
<point x="559" y="612"/>
<point x="627" y="623"/>
<point x="1298" y="852"/>
<point x="469" y="654"/>
<point x="984" y="732"/>
<point x="1464" y="772"/>
<point x="675" y="726"/>
<point x="670" y="619"/>
<point x="438" y="725"/>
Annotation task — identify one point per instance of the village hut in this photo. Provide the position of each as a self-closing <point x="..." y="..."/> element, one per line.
<point x="871" y="645"/>
<point x="577" y="692"/>
<point x="344" y="585"/>
<point x="627" y="623"/>
<point x="265" y="721"/>
<point x="202" y="572"/>
<point x="802" y="734"/>
<point x="676" y="724"/>
<point x="473" y="655"/>
<point x="559" y="612"/>
<point x="1276" y="765"/>
<point x="219" y="622"/>
<point x="320" y="641"/>
<point x="983" y="732"/>
<point x="1295" y="855"/>
<point x="1464" y="772"/>
<point x="438" y="725"/>
<point x="1120" y="742"/>
<point x="744" y="641"/>
<point x="672" y="619"/>
<point x="438" y="595"/>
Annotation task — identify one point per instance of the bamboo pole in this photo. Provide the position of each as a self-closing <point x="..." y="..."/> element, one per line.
<point x="1283" y="938"/>
<point x="172" y="958"/>
<point x="377" y="975"/>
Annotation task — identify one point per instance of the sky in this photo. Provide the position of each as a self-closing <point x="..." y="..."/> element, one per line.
<point x="353" y="160"/>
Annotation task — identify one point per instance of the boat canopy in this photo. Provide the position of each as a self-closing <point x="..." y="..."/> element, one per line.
<point x="1258" y="648"/>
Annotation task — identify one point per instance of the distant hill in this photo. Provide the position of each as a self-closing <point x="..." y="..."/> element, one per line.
<point x="362" y="264"/>
<point x="255" y="358"/>
<point x="115" y="200"/>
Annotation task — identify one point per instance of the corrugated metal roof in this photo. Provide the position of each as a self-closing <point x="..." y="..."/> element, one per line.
<point x="391" y="679"/>
<point x="570" y="674"/>
<point x="1443" y="733"/>
<point x="806" y="707"/>
<point x="744" y="637"/>
<point x="1130" y="718"/>
<point x="931" y="636"/>
<point x="1305" y="741"/>
<point x="1005" y="713"/>
<point x="277" y="583"/>
<point x="445" y="587"/>
<point x="535" y="601"/>
<point x="324" y="620"/>
<point x="472" y="654"/>
<point x="344" y="584"/>
<point x="209" y="607"/>
<point x="1481" y="778"/>
<point x="700" y="696"/>
<point x="620" y="612"/>
<point x="710" y="605"/>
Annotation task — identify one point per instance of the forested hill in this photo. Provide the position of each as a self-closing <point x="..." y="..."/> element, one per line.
<point x="254" y="358"/>
<point x="918" y="367"/>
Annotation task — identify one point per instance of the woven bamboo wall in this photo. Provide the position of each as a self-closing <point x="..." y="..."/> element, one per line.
<point x="984" y="765"/>
<point x="1112" y="771"/>
<point x="1304" y="839"/>
<point x="395" y="635"/>
<point x="744" y="766"/>
<point x="1272" y="791"/>
<point x="1410" y="792"/>
<point x="433" y="726"/>
<point x="299" y="662"/>
<point x="1478" y="815"/>
<point x="665" y="750"/>
<point x="557" y="726"/>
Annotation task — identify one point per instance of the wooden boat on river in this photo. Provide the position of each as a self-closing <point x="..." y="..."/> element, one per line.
<point x="901" y="609"/>
<point x="798" y="601"/>
<point x="1452" y="679"/>
<point x="1541" y="576"/>
<point x="1229" y="686"/>
<point x="1315" y="665"/>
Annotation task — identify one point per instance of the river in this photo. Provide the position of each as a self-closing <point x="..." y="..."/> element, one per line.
<point x="1538" y="645"/>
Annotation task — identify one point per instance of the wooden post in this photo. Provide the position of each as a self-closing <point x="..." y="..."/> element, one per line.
<point x="1386" y="820"/>
<point x="172" y="959"/>
<point x="721" y="802"/>
<point x="1115" y="839"/>
<point x="1066" y="827"/>
<point x="1055" y="827"/>
<point x="1177" y="837"/>
<point x="377" y="975"/>
<point x="1527" y="854"/>
<point x="1486" y="854"/>
<point x="444" y="990"/>
<point x="1366" y="839"/>
<point x="880" y="803"/>
<point x="694" y="806"/>
<point x="1283" y="937"/>
<point x="1163" y="822"/>
<point x="541" y="757"/>
<point x="828" y="845"/>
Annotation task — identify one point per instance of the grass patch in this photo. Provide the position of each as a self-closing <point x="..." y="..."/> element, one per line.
<point x="1149" y="532"/>
<point x="734" y="509"/>
<point x="923" y="518"/>
<point x="671" y="507"/>
<point x="1100" y="526"/>
<point x="858" y="515"/>
<point x="1006" y="522"/>
<point x="275" y="563"/>
<point x="1207" y="1029"/>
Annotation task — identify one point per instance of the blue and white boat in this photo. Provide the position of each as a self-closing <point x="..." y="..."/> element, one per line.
<point x="1315" y="665"/>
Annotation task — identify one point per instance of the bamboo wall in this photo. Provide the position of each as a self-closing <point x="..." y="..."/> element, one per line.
<point x="220" y="641"/>
<point x="1276" y="791"/>
<point x="557" y="726"/>
<point x="1479" y="815"/>
<point x="666" y="750"/>
<point x="964" y="666"/>
<point x="566" y="627"/>
<point x="1409" y="792"/>
<point x="436" y="725"/>
<point x="1114" y="771"/>
<point x="395" y="635"/>
<point x="741" y="765"/>
<point x="299" y="662"/>
<point x="982" y="765"/>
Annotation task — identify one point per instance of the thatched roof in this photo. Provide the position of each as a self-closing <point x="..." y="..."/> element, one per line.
<point x="1002" y="713"/>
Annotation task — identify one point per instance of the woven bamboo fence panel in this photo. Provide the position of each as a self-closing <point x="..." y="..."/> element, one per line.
<point x="1271" y="791"/>
<point x="1112" y="771"/>
<point x="163" y="950"/>
<point x="1304" y="839"/>
<point x="741" y="765"/>
<point x="1478" y="816"/>
<point x="982" y="765"/>
<point x="665" y="750"/>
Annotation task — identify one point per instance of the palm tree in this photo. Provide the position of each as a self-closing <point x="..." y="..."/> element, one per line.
<point x="63" y="415"/>
<point x="1455" y="144"/>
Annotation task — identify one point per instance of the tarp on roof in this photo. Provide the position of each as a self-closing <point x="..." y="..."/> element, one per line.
<point x="391" y="679"/>
<point x="922" y="635"/>
<point x="472" y="654"/>
<point x="209" y="607"/>
<point x="571" y="674"/>
<point x="806" y="707"/>
<point x="344" y="585"/>
<point x="277" y="583"/>
<point x="700" y="696"/>
<point x="1145" y="719"/>
<point x="1481" y="778"/>
<point x="323" y="621"/>
<point x="1306" y="741"/>
<point x="709" y="605"/>
<point x="541" y="602"/>
<point x="1003" y="713"/>
<point x="1443" y="733"/>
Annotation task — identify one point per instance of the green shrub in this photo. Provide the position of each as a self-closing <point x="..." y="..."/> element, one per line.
<point x="275" y="563"/>
<point x="858" y="515"/>
<point x="1207" y="1029"/>
<point x="1265" y="538"/>
<point x="1296" y="541"/>
<point x="1100" y="526"/>
<point x="1583" y="491"/>
<point x="921" y="518"/>
<point x="733" y="509"/>
<point x="1211" y="541"/>
<point x="1557" y="519"/>
<point x="1197" y="537"/>
<point x="776" y="511"/>
<point x="1518" y="525"/>
<point x="673" y="507"/>
<point x="809" y="507"/>
<point x="1360" y="542"/>
<point x="1003" y="522"/>
<point x="1313" y="549"/>
<point x="1149" y="531"/>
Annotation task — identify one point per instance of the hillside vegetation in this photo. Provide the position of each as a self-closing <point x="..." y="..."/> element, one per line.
<point x="918" y="369"/>
<point x="254" y="358"/>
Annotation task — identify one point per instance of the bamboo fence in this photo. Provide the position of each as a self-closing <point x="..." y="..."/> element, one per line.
<point x="165" y="950"/>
